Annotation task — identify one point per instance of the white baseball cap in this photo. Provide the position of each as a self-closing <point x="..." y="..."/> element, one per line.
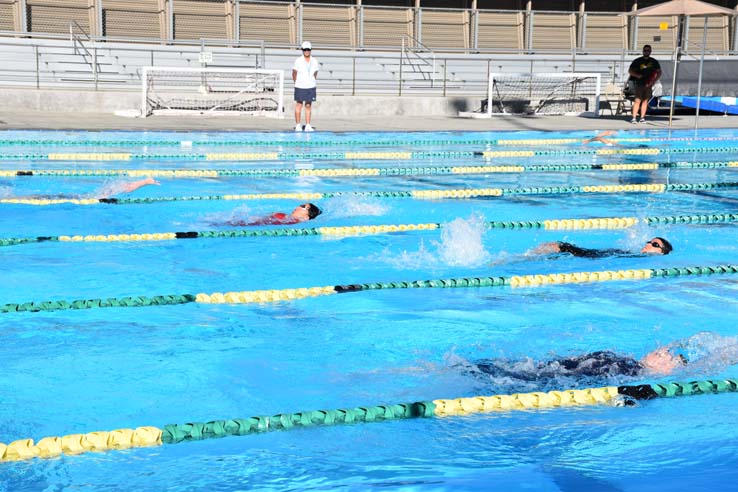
<point x="306" y="45"/>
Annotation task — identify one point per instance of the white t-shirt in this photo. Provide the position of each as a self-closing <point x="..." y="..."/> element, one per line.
<point x="305" y="72"/>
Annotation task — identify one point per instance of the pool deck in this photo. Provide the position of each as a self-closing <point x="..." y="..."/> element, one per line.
<point x="101" y="121"/>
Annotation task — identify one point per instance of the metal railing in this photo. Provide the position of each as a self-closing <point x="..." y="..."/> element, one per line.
<point x="80" y="49"/>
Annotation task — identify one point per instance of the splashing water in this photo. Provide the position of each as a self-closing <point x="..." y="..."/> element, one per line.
<point x="461" y="242"/>
<point x="708" y="352"/>
<point x="352" y="206"/>
<point x="460" y="245"/>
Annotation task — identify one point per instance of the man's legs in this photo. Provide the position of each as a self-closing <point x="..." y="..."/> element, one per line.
<point x="308" y="111"/>
<point x="298" y="111"/>
<point x="636" y="107"/>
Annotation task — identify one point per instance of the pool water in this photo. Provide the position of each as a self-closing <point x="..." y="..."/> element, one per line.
<point x="78" y="371"/>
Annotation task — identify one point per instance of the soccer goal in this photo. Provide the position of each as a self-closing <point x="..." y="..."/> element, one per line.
<point x="212" y="91"/>
<point x="569" y="93"/>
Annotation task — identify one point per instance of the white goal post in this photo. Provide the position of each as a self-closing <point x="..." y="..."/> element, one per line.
<point x="568" y="93"/>
<point x="178" y="90"/>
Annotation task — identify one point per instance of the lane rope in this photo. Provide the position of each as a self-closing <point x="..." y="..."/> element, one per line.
<point x="328" y="143"/>
<point x="273" y="295"/>
<point x="366" y="155"/>
<point x="364" y="172"/>
<point x="147" y="436"/>
<point x="591" y="223"/>
<point x="414" y="194"/>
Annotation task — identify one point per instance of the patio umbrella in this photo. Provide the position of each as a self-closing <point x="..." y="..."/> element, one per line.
<point x="682" y="9"/>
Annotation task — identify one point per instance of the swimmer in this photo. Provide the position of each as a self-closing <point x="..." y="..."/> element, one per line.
<point x="661" y="362"/>
<point x="108" y="191"/>
<point x="303" y="213"/>
<point x="654" y="246"/>
<point x="600" y="137"/>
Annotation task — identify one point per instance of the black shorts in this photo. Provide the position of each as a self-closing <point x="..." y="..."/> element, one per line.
<point x="643" y="93"/>
<point x="305" y="95"/>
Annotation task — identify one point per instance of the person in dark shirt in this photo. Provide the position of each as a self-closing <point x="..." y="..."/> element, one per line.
<point x="654" y="246"/>
<point x="302" y="213"/>
<point x="601" y="364"/>
<point x="644" y="71"/>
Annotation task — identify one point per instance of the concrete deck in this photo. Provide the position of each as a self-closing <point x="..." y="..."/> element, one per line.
<point x="98" y="121"/>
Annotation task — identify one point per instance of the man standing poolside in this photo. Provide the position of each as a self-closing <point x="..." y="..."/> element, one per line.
<point x="304" y="74"/>
<point x="644" y="71"/>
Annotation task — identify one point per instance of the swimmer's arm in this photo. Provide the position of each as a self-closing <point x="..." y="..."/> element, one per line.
<point x="119" y="188"/>
<point x="133" y="186"/>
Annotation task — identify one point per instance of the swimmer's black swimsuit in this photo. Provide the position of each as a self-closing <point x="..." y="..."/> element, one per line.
<point x="595" y="364"/>
<point x="591" y="253"/>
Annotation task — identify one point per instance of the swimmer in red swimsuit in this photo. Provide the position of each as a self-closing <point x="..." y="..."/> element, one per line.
<point x="303" y="213"/>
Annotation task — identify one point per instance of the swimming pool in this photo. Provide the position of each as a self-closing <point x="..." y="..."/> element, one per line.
<point x="71" y="371"/>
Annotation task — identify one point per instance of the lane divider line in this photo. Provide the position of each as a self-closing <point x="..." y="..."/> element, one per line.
<point x="274" y="295"/>
<point x="148" y="436"/>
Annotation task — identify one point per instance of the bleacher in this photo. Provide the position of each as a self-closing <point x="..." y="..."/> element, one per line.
<point x="447" y="51"/>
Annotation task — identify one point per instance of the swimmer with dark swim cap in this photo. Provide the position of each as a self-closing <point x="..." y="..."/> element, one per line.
<point x="660" y="362"/>
<point x="654" y="246"/>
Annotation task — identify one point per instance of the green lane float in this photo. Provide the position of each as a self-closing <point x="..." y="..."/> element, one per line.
<point x="361" y="155"/>
<point x="414" y="194"/>
<point x="365" y="172"/>
<point x="147" y="436"/>
<point x="331" y="143"/>
<point x="592" y="223"/>
<point x="273" y="295"/>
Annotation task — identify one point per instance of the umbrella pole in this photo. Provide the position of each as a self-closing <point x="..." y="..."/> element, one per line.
<point x="699" y="77"/>
<point x="678" y="55"/>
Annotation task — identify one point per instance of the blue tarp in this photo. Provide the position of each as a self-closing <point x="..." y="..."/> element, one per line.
<point x="727" y="105"/>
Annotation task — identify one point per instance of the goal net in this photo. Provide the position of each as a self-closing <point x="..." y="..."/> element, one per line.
<point x="543" y="93"/>
<point x="212" y="91"/>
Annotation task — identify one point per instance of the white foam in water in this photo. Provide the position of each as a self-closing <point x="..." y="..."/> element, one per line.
<point x="353" y="206"/>
<point x="461" y="242"/>
<point x="460" y="245"/>
<point x="187" y="144"/>
<point x="237" y="214"/>
<point x="708" y="352"/>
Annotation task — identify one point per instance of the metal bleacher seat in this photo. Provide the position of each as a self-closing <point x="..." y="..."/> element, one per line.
<point x="387" y="26"/>
<point x="605" y="31"/>
<point x="445" y="28"/>
<point x="273" y="23"/>
<point x="500" y="30"/>
<point x="329" y="25"/>
<point x="553" y="31"/>
<point x="133" y="19"/>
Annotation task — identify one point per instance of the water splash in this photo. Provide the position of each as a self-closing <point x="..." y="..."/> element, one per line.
<point x="353" y="206"/>
<point x="708" y="353"/>
<point x="460" y="245"/>
<point x="461" y="242"/>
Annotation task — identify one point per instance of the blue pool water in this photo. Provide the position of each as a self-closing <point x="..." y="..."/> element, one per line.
<point x="78" y="371"/>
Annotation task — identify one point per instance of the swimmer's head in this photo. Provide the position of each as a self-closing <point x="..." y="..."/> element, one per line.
<point x="657" y="246"/>
<point x="662" y="361"/>
<point x="306" y="211"/>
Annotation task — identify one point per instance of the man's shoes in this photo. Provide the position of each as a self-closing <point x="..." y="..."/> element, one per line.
<point x="642" y="120"/>
<point x="634" y="120"/>
<point x="309" y="128"/>
<point x="298" y="127"/>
